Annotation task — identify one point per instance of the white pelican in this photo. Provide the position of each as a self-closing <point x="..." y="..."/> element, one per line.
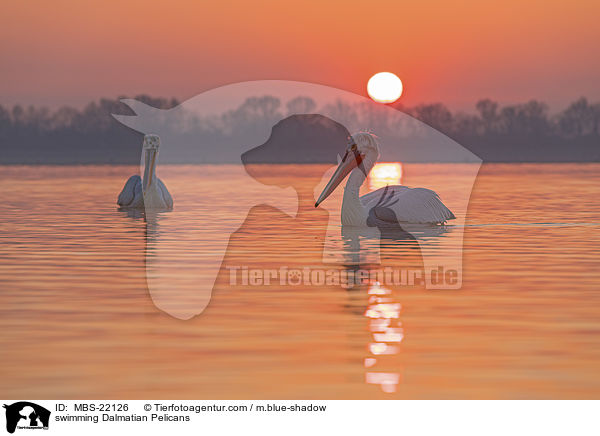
<point x="386" y="206"/>
<point x="151" y="192"/>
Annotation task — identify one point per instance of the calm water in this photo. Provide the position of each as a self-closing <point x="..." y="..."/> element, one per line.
<point x="78" y="320"/>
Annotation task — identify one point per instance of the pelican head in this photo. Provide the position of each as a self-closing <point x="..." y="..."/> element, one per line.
<point x="362" y="152"/>
<point x="151" y="144"/>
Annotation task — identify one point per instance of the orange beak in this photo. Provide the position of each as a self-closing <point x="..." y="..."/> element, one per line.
<point x="351" y="160"/>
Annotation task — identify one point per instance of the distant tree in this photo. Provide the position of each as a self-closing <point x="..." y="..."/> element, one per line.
<point x="92" y="119"/>
<point x="341" y="112"/>
<point x="37" y="119"/>
<point x="63" y="118"/>
<point x="376" y="117"/>
<point x="300" y="105"/>
<point x="578" y="119"/>
<point x="488" y="111"/>
<point x="263" y="108"/>
<point x="4" y="115"/>
<point x="467" y="125"/>
<point x="436" y="115"/>
<point x="524" y="119"/>
<point x="596" y="119"/>
<point x="5" y="122"/>
<point x="534" y="117"/>
<point x="18" y="115"/>
<point x="513" y="132"/>
<point x="253" y="115"/>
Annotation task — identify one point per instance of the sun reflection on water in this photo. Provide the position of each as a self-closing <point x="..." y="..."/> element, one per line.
<point x="385" y="173"/>
<point x="385" y="326"/>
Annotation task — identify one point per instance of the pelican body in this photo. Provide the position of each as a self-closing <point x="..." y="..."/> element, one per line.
<point x="149" y="192"/>
<point x="386" y="206"/>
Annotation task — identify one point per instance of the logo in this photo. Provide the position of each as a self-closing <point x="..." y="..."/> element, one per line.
<point x="248" y="210"/>
<point x="26" y="415"/>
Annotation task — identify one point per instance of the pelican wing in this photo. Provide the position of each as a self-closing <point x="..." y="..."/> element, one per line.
<point x="374" y="196"/>
<point x="131" y="193"/>
<point x="403" y="204"/>
<point x="165" y="194"/>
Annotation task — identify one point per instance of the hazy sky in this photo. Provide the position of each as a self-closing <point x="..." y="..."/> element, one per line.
<point x="70" y="52"/>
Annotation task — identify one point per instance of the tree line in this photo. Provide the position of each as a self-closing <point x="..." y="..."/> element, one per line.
<point x="517" y="132"/>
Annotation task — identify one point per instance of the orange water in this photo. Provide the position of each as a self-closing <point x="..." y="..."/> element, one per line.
<point x="77" y="320"/>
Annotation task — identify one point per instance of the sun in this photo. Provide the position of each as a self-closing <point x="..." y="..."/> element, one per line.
<point x="384" y="87"/>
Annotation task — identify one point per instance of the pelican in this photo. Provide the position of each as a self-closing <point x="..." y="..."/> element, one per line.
<point x="151" y="192"/>
<point x="386" y="206"/>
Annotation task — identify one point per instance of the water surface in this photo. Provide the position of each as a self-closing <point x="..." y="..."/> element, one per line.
<point x="78" y="320"/>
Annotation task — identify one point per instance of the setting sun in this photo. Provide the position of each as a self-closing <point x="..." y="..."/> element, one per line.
<point x="384" y="87"/>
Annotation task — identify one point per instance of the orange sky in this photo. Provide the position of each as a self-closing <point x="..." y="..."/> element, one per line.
<point x="63" y="52"/>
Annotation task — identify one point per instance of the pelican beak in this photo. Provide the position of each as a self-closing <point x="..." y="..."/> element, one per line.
<point x="351" y="160"/>
<point x="150" y="167"/>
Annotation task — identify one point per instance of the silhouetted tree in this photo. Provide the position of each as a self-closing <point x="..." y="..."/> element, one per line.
<point x="596" y="119"/>
<point x="340" y="110"/>
<point x="524" y="119"/>
<point x="578" y="119"/>
<point x="488" y="112"/>
<point x="63" y="118"/>
<point x="467" y="125"/>
<point x="300" y="105"/>
<point x="513" y="132"/>
<point x="436" y="115"/>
